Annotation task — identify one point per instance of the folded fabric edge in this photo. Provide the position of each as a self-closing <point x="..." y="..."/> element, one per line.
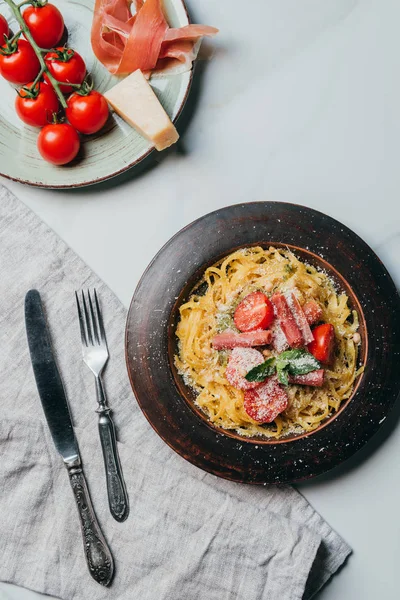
<point x="326" y="565"/>
<point x="331" y="555"/>
<point x="310" y="545"/>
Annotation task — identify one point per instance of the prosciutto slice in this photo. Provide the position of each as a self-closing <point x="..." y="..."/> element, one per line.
<point x="287" y="321"/>
<point x="241" y="361"/>
<point x="124" y="42"/>
<point x="230" y="339"/>
<point x="299" y="317"/>
<point x="314" y="378"/>
<point x="313" y="312"/>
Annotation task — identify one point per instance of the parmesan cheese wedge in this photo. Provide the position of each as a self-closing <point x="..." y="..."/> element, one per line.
<point x="134" y="100"/>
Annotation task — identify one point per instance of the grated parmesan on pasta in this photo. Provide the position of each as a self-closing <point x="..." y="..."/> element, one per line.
<point x="203" y="316"/>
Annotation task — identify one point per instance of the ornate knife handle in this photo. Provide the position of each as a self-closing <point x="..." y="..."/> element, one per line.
<point x="98" y="556"/>
<point x="117" y="494"/>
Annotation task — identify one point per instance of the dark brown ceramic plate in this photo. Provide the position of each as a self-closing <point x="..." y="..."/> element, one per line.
<point x="150" y="342"/>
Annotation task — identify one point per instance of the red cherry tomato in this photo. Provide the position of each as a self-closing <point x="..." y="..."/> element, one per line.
<point x="266" y="402"/>
<point x="58" y="143"/>
<point x="36" y="109"/>
<point x="254" y="312"/>
<point x="4" y="30"/>
<point x="21" y="66"/>
<point x="323" y="344"/>
<point x="45" y="23"/>
<point x="88" y="114"/>
<point x="67" y="66"/>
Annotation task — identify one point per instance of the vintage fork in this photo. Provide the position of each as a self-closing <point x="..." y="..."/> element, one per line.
<point x="95" y="355"/>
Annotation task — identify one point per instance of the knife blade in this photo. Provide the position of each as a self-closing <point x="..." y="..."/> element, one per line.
<point x="48" y="380"/>
<point x="55" y="405"/>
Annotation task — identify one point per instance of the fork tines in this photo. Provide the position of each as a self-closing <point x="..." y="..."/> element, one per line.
<point x="90" y="319"/>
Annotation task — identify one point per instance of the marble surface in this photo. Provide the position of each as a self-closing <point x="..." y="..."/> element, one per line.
<point x="300" y="103"/>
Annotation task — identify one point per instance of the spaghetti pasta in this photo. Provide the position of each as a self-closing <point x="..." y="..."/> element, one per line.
<point x="209" y="312"/>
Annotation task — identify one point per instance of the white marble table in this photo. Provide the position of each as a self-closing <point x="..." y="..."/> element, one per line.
<point x="301" y="103"/>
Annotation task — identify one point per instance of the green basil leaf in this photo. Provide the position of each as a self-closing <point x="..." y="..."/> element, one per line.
<point x="292" y="362"/>
<point x="291" y="354"/>
<point x="301" y="365"/>
<point x="284" y="358"/>
<point x="283" y="377"/>
<point x="261" y="372"/>
<point x="295" y="362"/>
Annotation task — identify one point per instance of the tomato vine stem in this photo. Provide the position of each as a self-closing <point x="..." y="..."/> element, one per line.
<point x="38" y="77"/>
<point x="16" y="10"/>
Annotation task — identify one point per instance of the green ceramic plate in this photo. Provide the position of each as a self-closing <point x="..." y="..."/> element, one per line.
<point x="112" y="151"/>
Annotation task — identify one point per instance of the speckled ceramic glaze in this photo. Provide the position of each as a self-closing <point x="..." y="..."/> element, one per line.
<point x="150" y="342"/>
<point x="117" y="147"/>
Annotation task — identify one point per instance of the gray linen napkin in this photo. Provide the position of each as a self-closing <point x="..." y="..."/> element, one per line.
<point x="190" y="535"/>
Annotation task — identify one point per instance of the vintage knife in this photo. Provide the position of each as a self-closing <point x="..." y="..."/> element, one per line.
<point x="56" y="410"/>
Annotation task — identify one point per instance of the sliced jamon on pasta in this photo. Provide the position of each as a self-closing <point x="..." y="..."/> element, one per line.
<point x="279" y="341"/>
<point x="287" y="321"/>
<point x="313" y="312"/>
<point x="230" y="339"/>
<point x="299" y="317"/>
<point x="314" y="378"/>
<point x="241" y="361"/>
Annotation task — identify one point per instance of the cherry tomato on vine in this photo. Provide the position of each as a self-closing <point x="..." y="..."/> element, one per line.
<point x="4" y="30"/>
<point x="18" y="62"/>
<point x="45" y="23"/>
<point x="67" y="66"/>
<point x="35" y="105"/>
<point x="58" y="143"/>
<point x="88" y="114"/>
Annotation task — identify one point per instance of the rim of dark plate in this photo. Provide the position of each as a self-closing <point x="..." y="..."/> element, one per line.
<point x="233" y="468"/>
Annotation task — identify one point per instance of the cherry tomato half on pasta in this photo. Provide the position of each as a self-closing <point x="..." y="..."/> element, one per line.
<point x="88" y="114"/>
<point x="4" y="30"/>
<point x="45" y="23"/>
<point x="67" y="66"/>
<point x="255" y="311"/>
<point x="20" y="66"/>
<point x="36" y="105"/>
<point x="323" y="345"/>
<point x="58" y="143"/>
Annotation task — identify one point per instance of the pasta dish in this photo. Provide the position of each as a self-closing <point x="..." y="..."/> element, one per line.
<point x="268" y="343"/>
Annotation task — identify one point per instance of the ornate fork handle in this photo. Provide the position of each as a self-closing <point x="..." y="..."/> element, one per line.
<point x="98" y="556"/>
<point x="117" y="495"/>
